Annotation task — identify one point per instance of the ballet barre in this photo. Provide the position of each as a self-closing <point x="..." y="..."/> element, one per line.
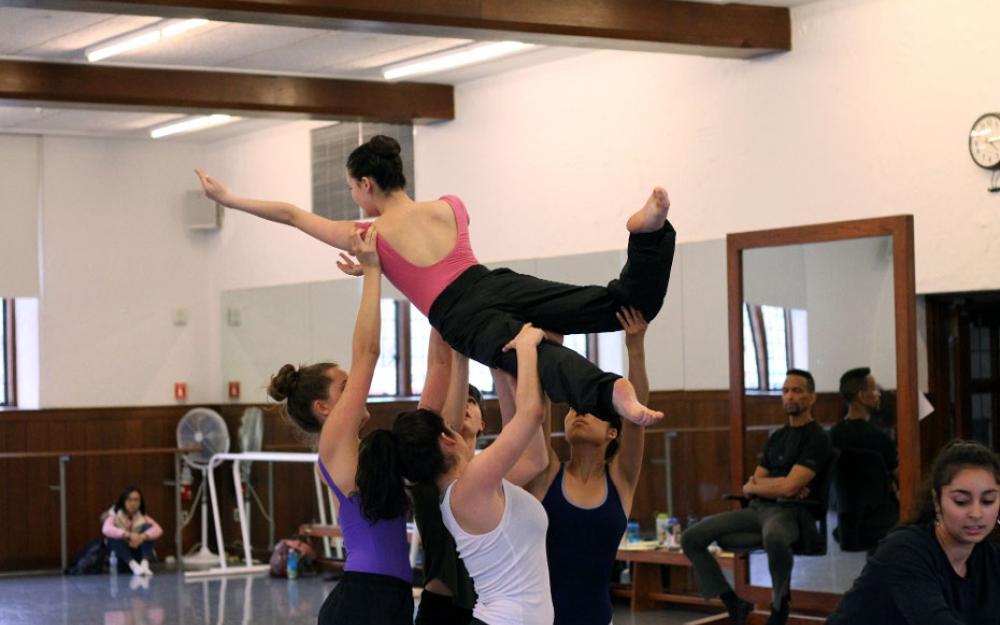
<point x="237" y="459"/>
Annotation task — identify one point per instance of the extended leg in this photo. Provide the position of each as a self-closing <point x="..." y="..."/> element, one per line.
<point x="780" y="530"/>
<point x="696" y="539"/>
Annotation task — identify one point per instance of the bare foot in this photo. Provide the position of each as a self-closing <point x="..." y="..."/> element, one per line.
<point x="627" y="405"/>
<point x="652" y="215"/>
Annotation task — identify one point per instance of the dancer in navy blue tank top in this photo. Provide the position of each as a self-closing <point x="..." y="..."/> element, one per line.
<point x="588" y="499"/>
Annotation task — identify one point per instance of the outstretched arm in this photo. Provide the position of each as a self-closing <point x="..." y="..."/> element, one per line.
<point x="628" y="463"/>
<point x="335" y="233"/>
<point x="437" y="382"/>
<point x="476" y="499"/>
<point x="536" y="457"/>
<point x="338" y="440"/>
<point x="457" y="397"/>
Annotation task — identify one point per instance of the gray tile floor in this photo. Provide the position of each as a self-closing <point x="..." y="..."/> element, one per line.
<point x="166" y="599"/>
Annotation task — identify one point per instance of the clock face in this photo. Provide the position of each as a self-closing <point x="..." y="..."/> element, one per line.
<point x="984" y="141"/>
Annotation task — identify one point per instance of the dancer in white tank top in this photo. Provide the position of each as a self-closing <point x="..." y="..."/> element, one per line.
<point x="508" y="563"/>
<point x="499" y="528"/>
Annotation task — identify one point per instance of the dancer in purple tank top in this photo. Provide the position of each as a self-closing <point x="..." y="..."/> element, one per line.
<point x="322" y="398"/>
<point x="426" y="253"/>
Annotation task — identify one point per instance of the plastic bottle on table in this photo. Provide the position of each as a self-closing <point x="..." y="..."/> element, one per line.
<point x="662" y="529"/>
<point x="674" y="531"/>
<point x="632" y="531"/>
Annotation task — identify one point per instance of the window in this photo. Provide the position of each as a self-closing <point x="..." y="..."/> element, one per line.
<point x="331" y="145"/>
<point x="775" y="339"/>
<point x="7" y="396"/>
<point x="751" y="374"/>
<point x="386" y="380"/>
<point x="776" y="345"/>
<point x="579" y="343"/>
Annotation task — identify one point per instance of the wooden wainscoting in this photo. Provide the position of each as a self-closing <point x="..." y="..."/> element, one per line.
<point x="29" y="509"/>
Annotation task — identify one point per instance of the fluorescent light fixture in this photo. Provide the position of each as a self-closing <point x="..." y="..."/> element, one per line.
<point x="191" y="125"/>
<point x="182" y="27"/>
<point x="459" y="58"/>
<point x="142" y="38"/>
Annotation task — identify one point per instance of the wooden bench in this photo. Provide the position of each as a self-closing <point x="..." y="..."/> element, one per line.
<point x="647" y="591"/>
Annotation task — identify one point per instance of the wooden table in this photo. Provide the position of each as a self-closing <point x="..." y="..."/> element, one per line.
<point x="647" y="591"/>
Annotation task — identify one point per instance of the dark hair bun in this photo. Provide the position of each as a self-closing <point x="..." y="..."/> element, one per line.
<point x="283" y="383"/>
<point x="384" y="146"/>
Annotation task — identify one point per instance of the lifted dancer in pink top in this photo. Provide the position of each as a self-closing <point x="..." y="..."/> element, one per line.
<point x="424" y="250"/>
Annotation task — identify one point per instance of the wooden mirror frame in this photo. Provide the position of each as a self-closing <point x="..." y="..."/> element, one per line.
<point x="900" y="229"/>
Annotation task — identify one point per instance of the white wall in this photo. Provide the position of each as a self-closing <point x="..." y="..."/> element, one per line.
<point x="117" y="264"/>
<point x="271" y="164"/>
<point x="19" y="165"/>
<point x="867" y="115"/>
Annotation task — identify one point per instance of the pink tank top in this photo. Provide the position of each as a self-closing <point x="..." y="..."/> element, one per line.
<point x="422" y="285"/>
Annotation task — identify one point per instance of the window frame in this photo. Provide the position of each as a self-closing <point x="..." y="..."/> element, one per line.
<point x="758" y="338"/>
<point x="8" y="351"/>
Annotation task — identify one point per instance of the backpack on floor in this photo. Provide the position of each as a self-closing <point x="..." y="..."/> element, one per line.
<point x="90" y="560"/>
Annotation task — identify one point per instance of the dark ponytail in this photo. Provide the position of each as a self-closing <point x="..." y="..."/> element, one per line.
<point x="381" y="490"/>
<point x="956" y="456"/>
<point x="298" y="389"/>
<point x="379" y="160"/>
<point x="420" y="457"/>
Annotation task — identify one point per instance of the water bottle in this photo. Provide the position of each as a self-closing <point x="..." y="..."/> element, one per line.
<point x="673" y="533"/>
<point x="113" y="563"/>
<point x="632" y="531"/>
<point x="662" y="528"/>
<point x="292" y="564"/>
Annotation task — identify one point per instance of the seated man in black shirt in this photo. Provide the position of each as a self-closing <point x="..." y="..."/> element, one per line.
<point x="792" y="458"/>
<point x="866" y="500"/>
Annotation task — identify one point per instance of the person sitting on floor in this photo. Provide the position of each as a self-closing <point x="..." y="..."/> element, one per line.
<point x="131" y="532"/>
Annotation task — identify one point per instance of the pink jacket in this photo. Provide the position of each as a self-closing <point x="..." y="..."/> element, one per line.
<point x="117" y="524"/>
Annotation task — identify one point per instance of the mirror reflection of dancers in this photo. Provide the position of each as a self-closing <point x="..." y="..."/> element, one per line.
<point x="325" y="399"/>
<point x="425" y="252"/>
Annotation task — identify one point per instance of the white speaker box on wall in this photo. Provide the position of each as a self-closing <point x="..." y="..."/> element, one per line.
<point x="201" y="213"/>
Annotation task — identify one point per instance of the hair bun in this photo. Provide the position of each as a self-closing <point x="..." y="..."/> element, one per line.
<point x="384" y="146"/>
<point x="283" y="383"/>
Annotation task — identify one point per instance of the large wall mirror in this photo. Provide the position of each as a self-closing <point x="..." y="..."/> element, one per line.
<point x="826" y="298"/>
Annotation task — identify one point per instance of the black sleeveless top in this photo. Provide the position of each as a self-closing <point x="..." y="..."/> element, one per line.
<point x="441" y="559"/>
<point x="581" y="544"/>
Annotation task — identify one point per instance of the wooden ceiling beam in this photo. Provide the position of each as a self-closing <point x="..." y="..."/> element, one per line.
<point x="103" y="86"/>
<point x="726" y="30"/>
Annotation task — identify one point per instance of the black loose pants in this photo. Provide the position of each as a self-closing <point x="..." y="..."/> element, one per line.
<point x="482" y="310"/>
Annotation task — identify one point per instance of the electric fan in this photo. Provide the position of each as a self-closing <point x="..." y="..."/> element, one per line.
<point x="204" y="429"/>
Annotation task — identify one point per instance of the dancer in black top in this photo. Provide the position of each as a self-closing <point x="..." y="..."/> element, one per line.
<point x="939" y="569"/>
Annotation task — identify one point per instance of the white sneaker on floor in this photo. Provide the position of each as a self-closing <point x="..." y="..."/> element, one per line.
<point x="135" y="566"/>
<point x="137" y="582"/>
<point x="145" y="568"/>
